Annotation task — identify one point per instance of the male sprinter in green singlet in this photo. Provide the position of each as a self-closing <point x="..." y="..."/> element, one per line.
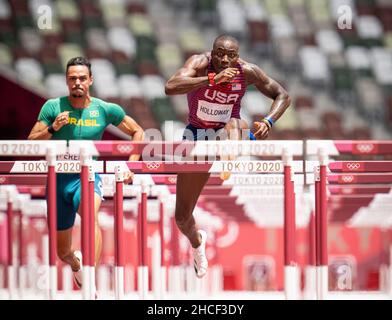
<point x="79" y="116"/>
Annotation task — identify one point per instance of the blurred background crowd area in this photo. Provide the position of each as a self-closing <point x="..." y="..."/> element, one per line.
<point x="339" y="78"/>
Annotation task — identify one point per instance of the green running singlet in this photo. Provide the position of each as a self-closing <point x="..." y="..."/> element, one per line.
<point x="84" y="124"/>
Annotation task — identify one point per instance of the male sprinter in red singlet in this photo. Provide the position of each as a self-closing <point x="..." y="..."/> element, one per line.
<point x="215" y="84"/>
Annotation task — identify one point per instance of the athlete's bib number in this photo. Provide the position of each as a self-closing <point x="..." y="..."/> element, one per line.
<point x="214" y="112"/>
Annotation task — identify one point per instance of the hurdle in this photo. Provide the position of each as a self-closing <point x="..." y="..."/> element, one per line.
<point x="32" y="277"/>
<point x="39" y="180"/>
<point x="50" y="149"/>
<point x="343" y="173"/>
<point x="21" y="148"/>
<point x="285" y="167"/>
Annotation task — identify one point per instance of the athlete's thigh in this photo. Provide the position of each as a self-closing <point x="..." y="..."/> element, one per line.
<point x="65" y="210"/>
<point x="189" y="187"/>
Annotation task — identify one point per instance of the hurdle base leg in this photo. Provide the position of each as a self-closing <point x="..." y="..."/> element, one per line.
<point x="217" y="277"/>
<point x="322" y="282"/>
<point x="11" y="282"/>
<point x="292" y="282"/>
<point x="103" y="278"/>
<point x="93" y="287"/>
<point x="310" y="283"/>
<point x="86" y="283"/>
<point x="119" y="282"/>
<point x="158" y="281"/>
<point x="174" y="280"/>
<point x="23" y="283"/>
<point x="142" y="283"/>
<point x="67" y="281"/>
<point x="156" y="266"/>
<point x="190" y="279"/>
<point x="52" y="282"/>
<point x="202" y="285"/>
<point x="163" y="284"/>
<point x="129" y="279"/>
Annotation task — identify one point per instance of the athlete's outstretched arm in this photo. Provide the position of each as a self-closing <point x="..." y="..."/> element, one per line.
<point x="185" y="79"/>
<point x="130" y="127"/>
<point x="270" y="88"/>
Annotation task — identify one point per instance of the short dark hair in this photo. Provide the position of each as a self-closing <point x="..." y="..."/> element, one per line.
<point x="79" y="61"/>
<point x="226" y="37"/>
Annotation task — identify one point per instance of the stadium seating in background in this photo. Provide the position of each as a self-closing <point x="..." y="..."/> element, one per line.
<point x="340" y="80"/>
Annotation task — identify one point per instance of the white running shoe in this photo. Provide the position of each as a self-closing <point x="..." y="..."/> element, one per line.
<point x="199" y="254"/>
<point x="78" y="275"/>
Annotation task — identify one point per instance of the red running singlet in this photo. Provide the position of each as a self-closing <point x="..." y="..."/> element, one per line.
<point x="213" y="106"/>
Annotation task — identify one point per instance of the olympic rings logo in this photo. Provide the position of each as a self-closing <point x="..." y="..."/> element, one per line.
<point x="153" y="165"/>
<point x="365" y="147"/>
<point x="353" y="166"/>
<point x="348" y="179"/>
<point x="124" y="148"/>
<point x="172" y="179"/>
